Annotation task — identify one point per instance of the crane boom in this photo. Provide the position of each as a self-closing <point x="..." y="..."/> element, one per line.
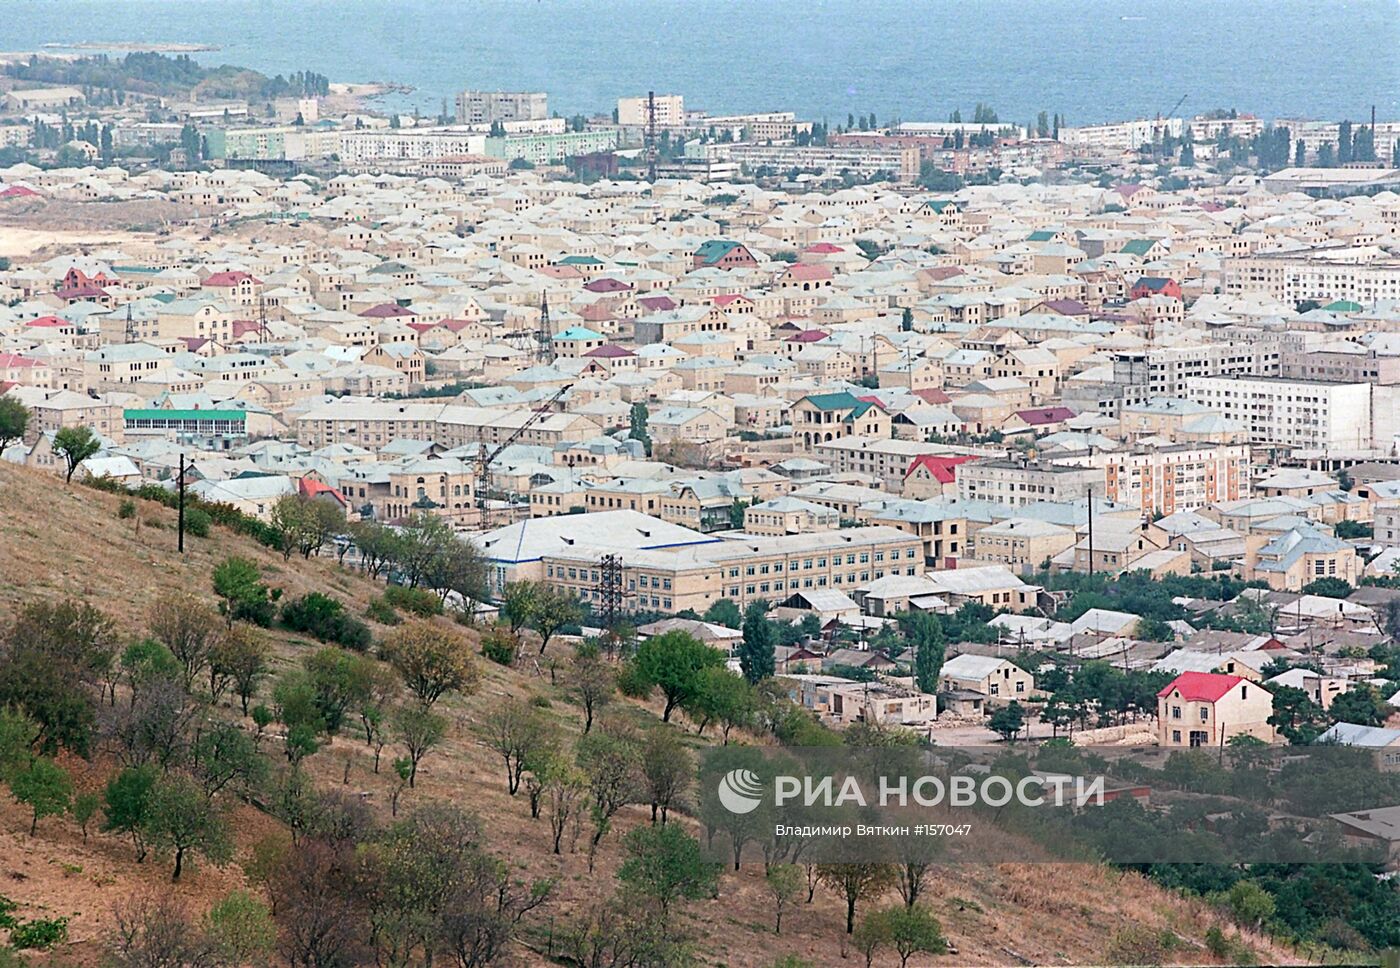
<point x="484" y="459"/>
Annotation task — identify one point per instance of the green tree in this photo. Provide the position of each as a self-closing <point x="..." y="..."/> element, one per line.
<point x="756" y="653"/>
<point x="75" y="445"/>
<point x="431" y="660"/>
<point x="240" y="660"/>
<point x="518" y="603"/>
<point x="551" y="611"/>
<point x="242" y="594"/>
<point x="592" y="681"/>
<point x="126" y="805"/>
<point x="1250" y="904"/>
<point x="925" y="633"/>
<point x="722" y="697"/>
<point x="664" y="866"/>
<point x="419" y="729"/>
<point x="241" y="928"/>
<point x="180" y="820"/>
<point x="911" y="931"/>
<point x="785" y="884"/>
<point x="14" y="420"/>
<point x="637" y="425"/>
<point x="855" y="883"/>
<point x="724" y="611"/>
<point x="1361" y="704"/>
<point x="44" y="787"/>
<point x="187" y="627"/>
<point x="674" y="662"/>
<point x="1328" y="588"/>
<point x="515" y="730"/>
<point x="1007" y="721"/>
<point x="906" y="321"/>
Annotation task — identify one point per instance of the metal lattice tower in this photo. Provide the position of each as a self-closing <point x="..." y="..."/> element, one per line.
<point x="544" y="336"/>
<point x="650" y="139"/>
<point x="130" y="326"/>
<point x="608" y="591"/>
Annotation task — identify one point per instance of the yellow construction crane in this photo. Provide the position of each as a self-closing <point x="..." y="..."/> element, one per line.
<point x="485" y="459"/>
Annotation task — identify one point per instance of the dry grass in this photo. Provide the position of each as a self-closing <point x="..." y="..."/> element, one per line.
<point x="67" y="541"/>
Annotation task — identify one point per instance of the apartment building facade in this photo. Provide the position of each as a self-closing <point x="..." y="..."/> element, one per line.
<point x="488" y="107"/>
<point x="1363" y="274"/>
<point x="1291" y="413"/>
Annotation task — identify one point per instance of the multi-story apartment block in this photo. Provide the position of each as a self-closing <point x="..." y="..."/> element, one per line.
<point x="1291" y="413"/>
<point x="409" y="144"/>
<point x="636" y="111"/>
<point x="900" y="164"/>
<point x="488" y="107"/>
<point x="1169" y="479"/>
<point x="1163" y="371"/>
<point x="1363" y="274"/>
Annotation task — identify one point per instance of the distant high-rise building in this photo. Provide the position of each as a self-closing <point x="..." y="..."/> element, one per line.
<point x="670" y="110"/>
<point x="488" y="107"/>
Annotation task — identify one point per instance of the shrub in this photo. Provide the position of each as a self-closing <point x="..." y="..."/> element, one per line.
<point x="382" y="612"/>
<point x="39" y="935"/>
<point x="417" y="601"/>
<point x="325" y="618"/>
<point x="197" y="522"/>
<point x="540" y="702"/>
<point x="500" y="646"/>
<point x="127" y="509"/>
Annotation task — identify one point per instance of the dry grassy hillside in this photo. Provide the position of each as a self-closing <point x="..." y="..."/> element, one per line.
<point x="60" y="541"/>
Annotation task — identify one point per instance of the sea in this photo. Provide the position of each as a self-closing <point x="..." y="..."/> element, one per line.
<point x="1088" y="60"/>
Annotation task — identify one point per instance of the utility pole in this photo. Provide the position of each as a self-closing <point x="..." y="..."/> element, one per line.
<point x="181" y="484"/>
<point x="1091" y="530"/>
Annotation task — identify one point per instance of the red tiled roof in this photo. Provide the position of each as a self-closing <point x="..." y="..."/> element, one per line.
<point x="933" y="396"/>
<point x="808" y="336"/>
<point x="10" y="360"/>
<point x="942" y="468"/>
<point x="310" y="487"/>
<point x="1200" y="686"/>
<point x="730" y="298"/>
<point x="421" y="327"/>
<point x="19" y="191"/>
<point x="227" y="279"/>
<point x="48" y="322"/>
<point x="80" y="292"/>
<point x="1045" y="415"/>
<point x="241" y="326"/>
<point x="659" y="303"/>
<point x="193" y="343"/>
<point x="560" y="272"/>
<point x="609" y="351"/>
<point x="386" y="311"/>
<point x="823" y="248"/>
<point x="1066" y="307"/>
<point x="939" y="273"/>
<point x="808" y="272"/>
<point x="598" y="311"/>
<point x="606" y="284"/>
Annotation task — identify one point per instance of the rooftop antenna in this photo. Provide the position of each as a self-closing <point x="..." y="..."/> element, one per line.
<point x="650" y="138"/>
<point x="130" y="326"/>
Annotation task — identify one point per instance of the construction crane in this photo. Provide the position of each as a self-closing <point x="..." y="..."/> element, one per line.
<point x="1159" y="130"/>
<point x="485" y="459"/>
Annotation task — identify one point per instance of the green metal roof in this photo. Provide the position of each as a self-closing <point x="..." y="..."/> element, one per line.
<point x="715" y="249"/>
<point x="1139" y="246"/>
<point x="184" y="415"/>
<point x="834" y="401"/>
<point x="1343" y="306"/>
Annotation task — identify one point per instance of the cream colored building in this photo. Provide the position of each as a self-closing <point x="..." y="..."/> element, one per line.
<point x="1207" y="708"/>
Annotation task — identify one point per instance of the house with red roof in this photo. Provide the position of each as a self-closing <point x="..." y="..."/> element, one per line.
<point x="18" y="191"/>
<point x="1209" y="708"/>
<point x="84" y="293"/>
<point x="613" y="358"/>
<point x="607" y="284"/>
<point x="1149" y="286"/>
<point x="16" y="368"/>
<point x="385" y="312"/>
<point x="1041" y="420"/>
<point x="806" y="276"/>
<point x="933" y="476"/>
<point x="240" y="288"/>
<point x="313" y="489"/>
<point x="657" y="304"/>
